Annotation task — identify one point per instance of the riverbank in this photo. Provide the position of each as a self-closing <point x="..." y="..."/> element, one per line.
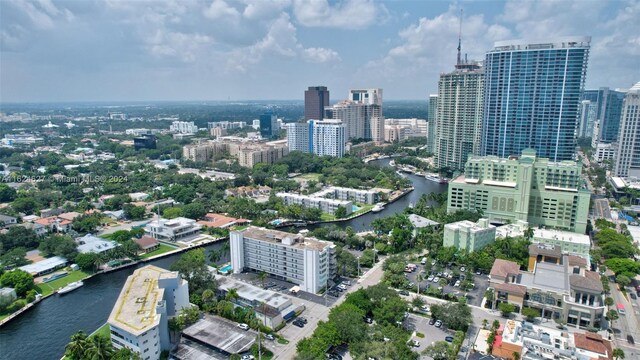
<point x="392" y="199"/>
<point x="143" y="260"/>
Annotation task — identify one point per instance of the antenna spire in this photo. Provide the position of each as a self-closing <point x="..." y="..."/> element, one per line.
<point x="460" y="39"/>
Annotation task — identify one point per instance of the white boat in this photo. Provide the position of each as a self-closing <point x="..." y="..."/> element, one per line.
<point x="378" y="207"/>
<point x="435" y="178"/>
<point x="72" y="286"/>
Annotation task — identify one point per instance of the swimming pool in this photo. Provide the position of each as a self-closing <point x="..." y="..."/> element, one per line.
<point x="225" y="269"/>
<point x="354" y="208"/>
<point x="276" y="222"/>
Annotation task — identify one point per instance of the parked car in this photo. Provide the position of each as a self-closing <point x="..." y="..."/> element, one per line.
<point x="332" y="356"/>
<point x="430" y="278"/>
<point x="633" y="296"/>
<point x="298" y="323"/>
<point x="270" y="337"/>
<point x="243" y="326"/>
<point x="457" y="284"/>
<point x="436" y="279"/>
<point x="630" y="339"/>
<point x="414" y="343"/>
<point x="302" y="319"/>
<point x="448" y="339"/>
<point x="247" y="357"/>
<point x="438" y="323"/>
<point x="424" y="308"/>
<point x="432" y="321"/>
<point x="403" y="292"/>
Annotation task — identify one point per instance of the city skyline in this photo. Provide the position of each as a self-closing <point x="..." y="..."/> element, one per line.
<point x="55" y="51"/>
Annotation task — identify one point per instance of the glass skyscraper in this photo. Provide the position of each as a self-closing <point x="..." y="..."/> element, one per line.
<point x="532" y="97"/>
<point x="607" y="105"/>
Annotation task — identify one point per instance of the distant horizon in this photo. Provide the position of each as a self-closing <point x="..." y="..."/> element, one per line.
<point x="179" y="101"/>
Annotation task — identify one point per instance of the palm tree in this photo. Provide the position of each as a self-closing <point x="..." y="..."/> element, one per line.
<point x="484" y="323"/>
<point x="515" y="355"/>
<point x="78" y="345"/>
<point x="100" y="349"/>
<point x="99" y="260"/>
<point x="618" y="353"/>
<point x="262" y="276"/>
<point x="232" y="294"/>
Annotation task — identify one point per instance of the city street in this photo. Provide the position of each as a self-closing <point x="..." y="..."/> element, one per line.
<point x="626" y="325"/>
<point x="602" y="209"/>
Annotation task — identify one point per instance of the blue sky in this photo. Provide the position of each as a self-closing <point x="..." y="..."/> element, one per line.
<point x="273" y="49"/>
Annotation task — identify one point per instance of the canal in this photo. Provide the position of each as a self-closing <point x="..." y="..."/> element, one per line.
<point x="43" y="331"/>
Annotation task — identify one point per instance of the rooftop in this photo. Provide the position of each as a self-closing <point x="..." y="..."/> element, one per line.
<point x="93" y="244"/>
<point x="565" y="236"/>
<point x="253" y="293"/>
<point x="420" y="222"/>
<point x="135" y="309"/>
<point x="285" y="238"/>
<point x="221" y="334"/>
<point x="593" y="343"/>
<point x="503" y="268"/>
<point x="146" y="242"/>
<point x="44" y="265"/>
<point x="545" y="249"/>
<point x="547" y="276"/>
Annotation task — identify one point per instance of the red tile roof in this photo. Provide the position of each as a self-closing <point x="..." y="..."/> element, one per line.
<point x="511" y="288"/>
<point x="217" y="221"/>
<point x="593" y="342"/>
<point x="503" y="268"/>
<point x="146" y="242"/>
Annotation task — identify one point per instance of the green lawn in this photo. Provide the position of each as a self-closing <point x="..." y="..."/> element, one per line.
<point x="310" y="176"/>
<point x="363" y="208"/>
<point x="47" y="288"/>
<point x="4" y="316"/>
<point x="161" y="250"/>
<point x="103" y="330"/>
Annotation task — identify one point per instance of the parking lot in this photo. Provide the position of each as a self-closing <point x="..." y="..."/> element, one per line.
<point x="474" y="296"/>
<point x="283" y="287"/>
<point x="420" y="324"/>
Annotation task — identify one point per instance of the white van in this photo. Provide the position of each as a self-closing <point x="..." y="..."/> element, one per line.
<point x="424" y="261"/>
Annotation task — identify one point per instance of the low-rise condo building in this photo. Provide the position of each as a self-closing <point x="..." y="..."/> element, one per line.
<point x="309" y="201"/>
<point x="469" y="236"/>
<point x="308" y="262"/>
<point x="139" y="319"/>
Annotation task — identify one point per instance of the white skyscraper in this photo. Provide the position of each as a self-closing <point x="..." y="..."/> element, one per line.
<point x="298" y="136"/>
<point x="321" y="137"/>
<point x="327" y="137"/>
<point x="628" y="156"/>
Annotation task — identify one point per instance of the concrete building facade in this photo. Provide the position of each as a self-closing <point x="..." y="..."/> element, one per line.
<point x="316" y="98"/>
<point x="469" y="236"/>
<point x="628" y="154"/>
<point x="308" y="262"/>
<point x="527" y="188"/>
<point x="176" y="229"/>
<point x="459" y="116"/>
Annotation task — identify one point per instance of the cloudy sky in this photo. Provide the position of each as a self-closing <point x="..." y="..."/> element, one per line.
<point x="83" y="50"/>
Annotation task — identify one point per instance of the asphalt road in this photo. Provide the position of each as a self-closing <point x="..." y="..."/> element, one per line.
<point x="602" y="209"/>
<point x="627" y="324"/>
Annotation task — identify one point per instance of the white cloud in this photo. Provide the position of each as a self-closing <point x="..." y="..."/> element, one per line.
<point x="347" y="14"/>
<point x="219" y="9"/>
<point x="261" y="9"/>
<point x="185" y="47"/>
<point x="320" y="55"/>
<point x="43" y="13"/>
<point x="428" y="47"/>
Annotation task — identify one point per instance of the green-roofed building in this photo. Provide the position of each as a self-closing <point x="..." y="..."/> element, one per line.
<point x="527" y="188"/>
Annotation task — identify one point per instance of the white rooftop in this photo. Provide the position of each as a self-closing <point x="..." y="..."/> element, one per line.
<point x="44" y="265"/>
<point x="565" y="236"/>
<point x="93" y="244"/>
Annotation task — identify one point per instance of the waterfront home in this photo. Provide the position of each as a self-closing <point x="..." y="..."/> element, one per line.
<point x="147" y="244"/>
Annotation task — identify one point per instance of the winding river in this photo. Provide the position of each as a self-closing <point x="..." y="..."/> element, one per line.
<point x="42" y="332"/>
